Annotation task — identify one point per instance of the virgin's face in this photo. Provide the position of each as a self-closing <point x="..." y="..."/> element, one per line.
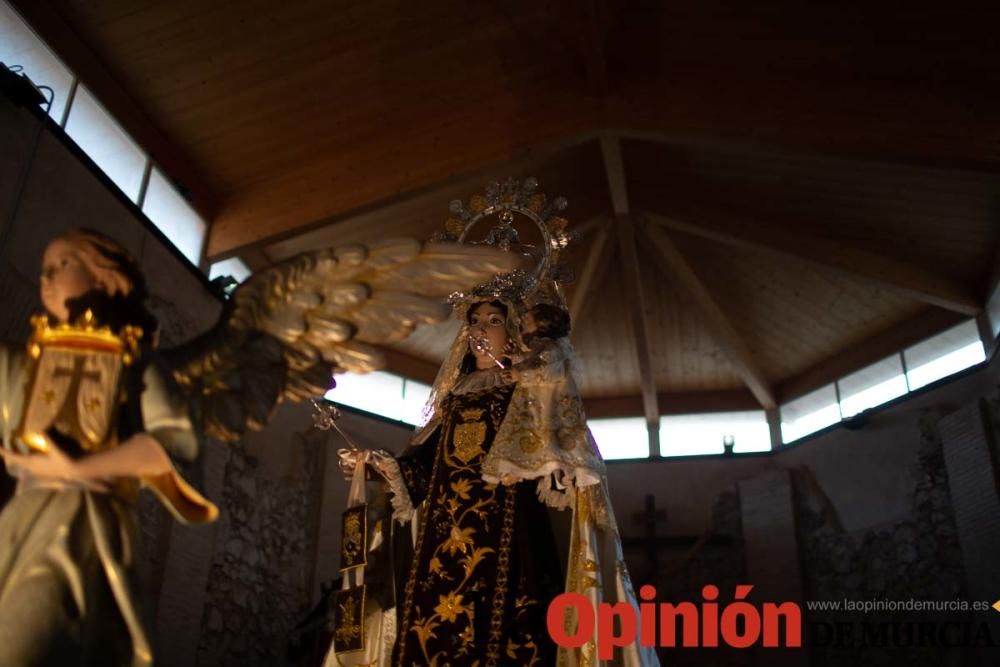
<point x="486" y="320"/>
<point x="63" y="277"/>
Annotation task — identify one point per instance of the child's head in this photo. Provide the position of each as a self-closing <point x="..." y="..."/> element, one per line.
<point x="545" y="320"/>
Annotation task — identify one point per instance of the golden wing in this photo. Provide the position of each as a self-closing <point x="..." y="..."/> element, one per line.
<point x="287" y="329"/>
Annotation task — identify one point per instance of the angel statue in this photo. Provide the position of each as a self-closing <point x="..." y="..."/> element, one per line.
<point x="505" y="441"/>
<point x="91" y="411"/>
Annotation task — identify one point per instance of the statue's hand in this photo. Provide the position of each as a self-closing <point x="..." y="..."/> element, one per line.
<point x="378" y="459"/>
<point x="53" y="463"/>
<point x="349" y="460"/>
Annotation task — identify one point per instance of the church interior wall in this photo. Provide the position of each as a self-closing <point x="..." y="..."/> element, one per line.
<point x="875" y="494"/>
<point x="863" y="471"/>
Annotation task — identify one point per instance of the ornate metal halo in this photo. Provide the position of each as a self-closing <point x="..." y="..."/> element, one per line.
<point x="504" y="201"/>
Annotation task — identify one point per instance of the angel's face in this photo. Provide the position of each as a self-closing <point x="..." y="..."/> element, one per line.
<point x="488" y="321"/>
<point x="64" y="276"/>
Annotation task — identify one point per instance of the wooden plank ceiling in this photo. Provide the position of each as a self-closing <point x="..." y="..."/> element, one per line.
<point x="808" y="187"/>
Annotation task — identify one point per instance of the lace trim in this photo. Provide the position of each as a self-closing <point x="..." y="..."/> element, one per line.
<point x="556" y="498"/>
<point x="477" y="381"/>
<point x="402" y="506"/>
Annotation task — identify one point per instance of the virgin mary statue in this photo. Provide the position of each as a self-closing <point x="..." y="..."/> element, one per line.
<point x="505" y="443"/>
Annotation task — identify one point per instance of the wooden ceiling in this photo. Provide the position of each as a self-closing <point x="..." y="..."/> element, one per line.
<point x="793" y="189"/>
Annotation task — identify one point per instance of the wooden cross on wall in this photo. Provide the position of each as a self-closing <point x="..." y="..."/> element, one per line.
<point x="651" y="542"/>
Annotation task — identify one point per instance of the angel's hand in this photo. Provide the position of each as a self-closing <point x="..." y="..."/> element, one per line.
<point x="508" y="479"/>
<point x="53" y="463"/>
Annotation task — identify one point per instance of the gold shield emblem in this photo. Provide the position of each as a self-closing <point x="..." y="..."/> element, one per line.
<point x="468" y="441"/>
<point x="75" y="383"/>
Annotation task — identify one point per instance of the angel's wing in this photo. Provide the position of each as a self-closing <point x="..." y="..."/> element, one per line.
<point x="286" y="330"/>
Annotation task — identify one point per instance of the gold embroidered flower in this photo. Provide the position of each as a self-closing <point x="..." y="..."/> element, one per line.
<point x="470" y="562"/>
<point x="450" y="607"/>
<point x="435" y="566"/>
<point x="462" y="487"/>
<point x="467" y="638"/>
<point x="458" y="540"/>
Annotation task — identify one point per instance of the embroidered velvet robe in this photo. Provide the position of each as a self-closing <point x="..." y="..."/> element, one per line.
<point x="485" y="564"/>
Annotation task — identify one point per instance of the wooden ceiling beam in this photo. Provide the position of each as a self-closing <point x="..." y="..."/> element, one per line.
<point x="92" y="72"/>
<point x="712" y="315"/>
<point x="614" y="166"/>
<point x="891" y="274"/>
<point x="598" y="249"/>
<point x="606" y="260"/>
<point x="409" y="367"/>
<point x="255" y="259"/>
<point x="927" y="323"/>
<point x="672" y="403"/>
<point x="640" y="329"/>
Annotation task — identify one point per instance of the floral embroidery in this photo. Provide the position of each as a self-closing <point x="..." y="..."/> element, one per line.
<point x="450" y="607"/>
<point x="458" y="539"/>
<point x="462" y="577"/>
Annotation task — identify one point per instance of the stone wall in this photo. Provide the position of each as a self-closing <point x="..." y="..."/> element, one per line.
<point x="259" y="583"/>
<point x="917" y="557"/>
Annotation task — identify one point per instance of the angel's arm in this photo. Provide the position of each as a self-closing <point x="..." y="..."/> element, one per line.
<point x="139" y="456"/>
<point x="168" y="435"/>
<point x="145" y="454"/>
<point x="166" y="419"/>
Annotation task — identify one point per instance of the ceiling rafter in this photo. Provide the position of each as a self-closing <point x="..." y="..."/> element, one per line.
<point x="674" y="403"/>
<point x="640" y="329"/>
<point x="891" y="274"/>
<point x="598" y="251"/>
<point x="410" y="367"/>
<point x="712" y="315"/>
<point x="614" y="167"/>
<point x="603" y="268"/>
